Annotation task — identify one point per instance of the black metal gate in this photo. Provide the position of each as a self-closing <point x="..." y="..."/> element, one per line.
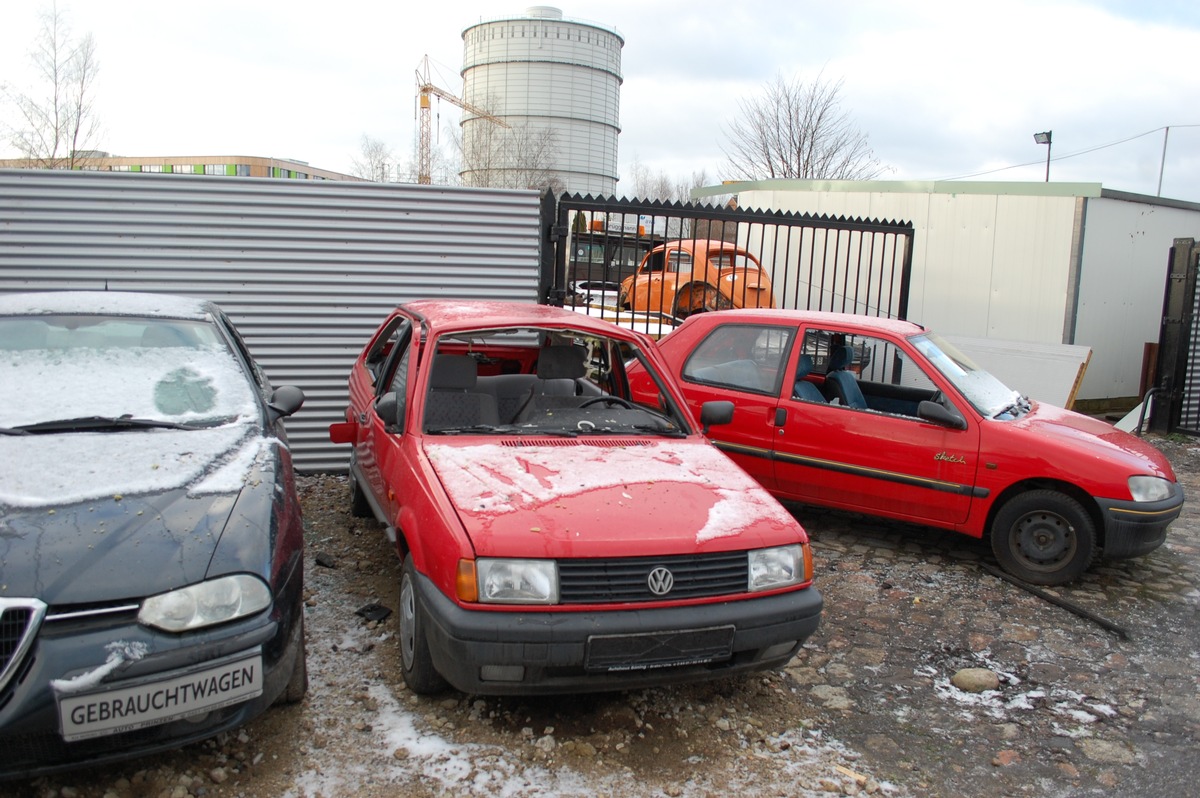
<point x="1176" y="394"/>
<point x="648" y="265"/>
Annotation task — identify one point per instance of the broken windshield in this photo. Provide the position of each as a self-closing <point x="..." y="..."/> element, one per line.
<point x="992" y="398"/>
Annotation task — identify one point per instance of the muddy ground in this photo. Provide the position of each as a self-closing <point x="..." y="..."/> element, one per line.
<point x="867" y="707"/>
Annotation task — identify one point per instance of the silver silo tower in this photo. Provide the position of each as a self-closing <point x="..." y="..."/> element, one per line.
<point x="556" y="83"/>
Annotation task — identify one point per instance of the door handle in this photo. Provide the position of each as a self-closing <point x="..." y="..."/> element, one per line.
<point x="780" y="416"/>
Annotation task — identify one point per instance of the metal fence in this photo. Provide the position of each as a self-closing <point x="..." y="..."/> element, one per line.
<point x="651" y="264"/>
<point x="1176" y="393"/>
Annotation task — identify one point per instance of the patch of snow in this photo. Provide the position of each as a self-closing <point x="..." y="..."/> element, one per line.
<point x="55" y="470"/>
<point x="119" y="652"/>
<point x="38" y="385"/>
<point x="495" y="479"/>
<point x="114" y="303"/>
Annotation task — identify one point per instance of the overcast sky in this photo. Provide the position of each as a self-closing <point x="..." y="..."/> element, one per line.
<point x="943" y="89"/>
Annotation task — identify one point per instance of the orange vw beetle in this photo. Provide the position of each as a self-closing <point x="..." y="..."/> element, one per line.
<point x="693" y="275"/>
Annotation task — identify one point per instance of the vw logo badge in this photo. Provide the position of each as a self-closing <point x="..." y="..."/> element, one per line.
<point x="660" y="581"/>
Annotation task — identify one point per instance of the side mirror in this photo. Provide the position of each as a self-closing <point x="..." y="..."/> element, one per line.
<point x="939" y="414"/>
<point x="715" y="413"/>
<point x="343" y="432"/>
<point x="390" y="408"/>
<point x="285" y="400"/>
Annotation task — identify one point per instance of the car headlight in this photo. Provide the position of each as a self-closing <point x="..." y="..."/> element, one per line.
<point x="206" y="603"/>
<point x="778" y="567"/>
<point x="517" y="581"/>
<point x="1149" y="489"/>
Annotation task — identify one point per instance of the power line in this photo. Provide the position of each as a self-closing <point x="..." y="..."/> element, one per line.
<point x="1068" y="155"/>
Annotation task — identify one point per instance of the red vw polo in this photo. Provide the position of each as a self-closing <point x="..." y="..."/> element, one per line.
<point x="887" y="418"/>
<point x="556" y="533"/>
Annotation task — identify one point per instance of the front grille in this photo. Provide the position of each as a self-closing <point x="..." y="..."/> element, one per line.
<point x="19" y="620"/>
<point x="627" y="579"/>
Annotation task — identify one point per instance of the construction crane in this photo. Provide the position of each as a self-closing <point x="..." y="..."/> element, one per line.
<point x="425" y="88"/>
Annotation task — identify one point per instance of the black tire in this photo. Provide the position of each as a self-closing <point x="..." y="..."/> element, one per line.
<point x="359" y="506"/>
<point x="416" y="663"/>
<point x="1044" y="537"/>
<point x="297" y="686"/>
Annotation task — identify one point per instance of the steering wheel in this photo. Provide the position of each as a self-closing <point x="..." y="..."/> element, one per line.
<point x="608" y="400"/>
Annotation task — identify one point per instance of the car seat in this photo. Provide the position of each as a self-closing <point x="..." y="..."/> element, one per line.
<point x="453" y="400"/>
<point x="840" y="382"/>
<point x="803" y="389"/>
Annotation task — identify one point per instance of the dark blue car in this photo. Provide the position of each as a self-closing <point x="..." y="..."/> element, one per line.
<point x="151" y="544"/>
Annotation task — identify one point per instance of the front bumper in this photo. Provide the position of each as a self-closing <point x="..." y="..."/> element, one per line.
<point x="32" y="735"/>
<point x="518" y="652"/>
<point x="1132" y="529"/>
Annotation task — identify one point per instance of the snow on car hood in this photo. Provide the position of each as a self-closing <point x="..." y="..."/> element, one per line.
<point x="91" y="517"/>
<point x="54" y="470"/>
<point x="592" y="498"/>
<point x="1075" y="430"/>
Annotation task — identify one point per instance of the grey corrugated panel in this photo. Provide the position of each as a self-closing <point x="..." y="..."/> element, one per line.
<point x="306" y="269"/>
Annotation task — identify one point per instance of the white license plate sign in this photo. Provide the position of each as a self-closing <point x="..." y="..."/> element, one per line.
<point x="113" y="711"/>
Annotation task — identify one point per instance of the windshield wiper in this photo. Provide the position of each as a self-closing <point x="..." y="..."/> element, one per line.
<point x="101" y="424"/>
<point x="484" y="429"/>
<point x="11" y="431"/>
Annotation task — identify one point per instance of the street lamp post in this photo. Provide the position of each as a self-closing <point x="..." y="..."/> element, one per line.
<point x="1044" y="138"/>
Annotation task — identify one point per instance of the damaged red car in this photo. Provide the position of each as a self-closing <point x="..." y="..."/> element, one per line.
<point x="888" y="418"/>
<point x="556" y="533"/>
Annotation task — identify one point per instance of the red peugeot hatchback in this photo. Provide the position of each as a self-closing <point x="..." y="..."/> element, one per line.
<point x="887" y="418"/>
<point x="557" y="534"/>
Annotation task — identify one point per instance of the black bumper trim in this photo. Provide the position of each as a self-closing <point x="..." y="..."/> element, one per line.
<point x="552" y="646"/>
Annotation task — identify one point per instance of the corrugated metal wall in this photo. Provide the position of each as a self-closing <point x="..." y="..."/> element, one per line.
<point x="306" y="269"/>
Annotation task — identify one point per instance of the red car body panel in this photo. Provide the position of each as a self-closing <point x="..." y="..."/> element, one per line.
<point x="900" y="466"/>
<point x="593" y="490"/>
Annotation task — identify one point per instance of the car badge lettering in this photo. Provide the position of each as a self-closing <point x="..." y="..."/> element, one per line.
<point x="950" y="458"/>
<point x="660" y="581"/>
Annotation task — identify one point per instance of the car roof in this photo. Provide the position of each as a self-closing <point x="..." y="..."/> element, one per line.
<point x="808" y="317"/>
<point x="700" y="244"/>
<point x="105" y="303"/>
<point x="453" y="315"/>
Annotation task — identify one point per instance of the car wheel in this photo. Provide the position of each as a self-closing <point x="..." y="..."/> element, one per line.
<point x="359" y="506"/>
<point x="297" y="686"/>
<point x="1044" y="537"/>
<point x="417" y="663"/>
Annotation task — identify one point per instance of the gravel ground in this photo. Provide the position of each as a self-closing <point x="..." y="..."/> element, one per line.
<point x="867" y="707"/>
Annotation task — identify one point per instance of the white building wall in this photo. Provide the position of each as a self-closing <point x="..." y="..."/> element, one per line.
<point x="1126" y="254"/>
<point x="984" y="265"/>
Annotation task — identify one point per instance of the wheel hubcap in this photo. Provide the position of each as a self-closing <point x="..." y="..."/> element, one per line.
<point x="1042" y="540"/>
<point x="408" y="622"/>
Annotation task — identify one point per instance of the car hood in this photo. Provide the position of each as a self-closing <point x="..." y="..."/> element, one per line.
<point x="1055" y="426"/>
<point x="128" y="515"/>
<point x="606" y="497"/>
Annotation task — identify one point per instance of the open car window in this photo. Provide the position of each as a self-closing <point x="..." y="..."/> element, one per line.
<point x="544" y="382"/>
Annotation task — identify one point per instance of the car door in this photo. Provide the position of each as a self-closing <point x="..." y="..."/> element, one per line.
<point x="745" y="363"/>
<point x="382" y="371"/>
<point x="883" y="459"/>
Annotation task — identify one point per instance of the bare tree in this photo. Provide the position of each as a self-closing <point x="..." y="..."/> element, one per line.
<point x="798" y="130"/>
<point x="652" y="185"/>
<point x="56" y="127"/>
<point x="375" y="161"/>
<point x="521" y="156"/>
